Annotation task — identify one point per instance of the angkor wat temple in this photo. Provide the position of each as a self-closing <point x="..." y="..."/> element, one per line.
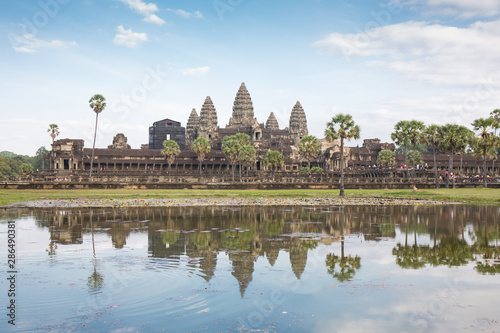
<point x="118" y="162"/>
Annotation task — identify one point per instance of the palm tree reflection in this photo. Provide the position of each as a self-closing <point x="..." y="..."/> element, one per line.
<point x="96" y="280"/>
<point x="347" y="266"/>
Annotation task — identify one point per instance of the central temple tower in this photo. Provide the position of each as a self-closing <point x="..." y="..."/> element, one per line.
<point x="242" y="110"/>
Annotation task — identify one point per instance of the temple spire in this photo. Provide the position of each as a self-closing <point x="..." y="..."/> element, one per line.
<point x="192" y="127"/>
<point x="272" y="122"/>
<point x="208" y="120"/>
<point x="298" y="123"/>
<point x="242" y="109"/>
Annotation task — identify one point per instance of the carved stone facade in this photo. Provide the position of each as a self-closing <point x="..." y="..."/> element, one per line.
<point x="298" y="123"/>
<point x="192" y="126"/>
<point x="242" y="110"/>
<point x="119" y="142"/>
<point x="208" y="128"/>
<point x="272" y="122"/>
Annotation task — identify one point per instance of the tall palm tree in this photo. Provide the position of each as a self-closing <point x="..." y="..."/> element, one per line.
<point x="431" y="137"/>
<point x="247" y="155"/>
<point x="97" y="104"/>
<point x="201" y="147"/>
<point x="54" y="131"/>
<point x="243" y="140"/>
<point x="401" y="137"/>
<point x="415" y="129"/>
<point x="484" y="129"/>
<point x="452" y="137"/>
<point x="309" y="148"/>
<point x="346" y="130"/>
<point x="230" y="148"/>
<point x="170" y="151"/>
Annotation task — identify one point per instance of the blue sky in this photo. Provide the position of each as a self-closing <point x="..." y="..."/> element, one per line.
<point x="432" y="60"/>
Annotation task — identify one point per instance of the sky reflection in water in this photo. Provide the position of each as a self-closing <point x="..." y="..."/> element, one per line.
<point x="324" y="269"/>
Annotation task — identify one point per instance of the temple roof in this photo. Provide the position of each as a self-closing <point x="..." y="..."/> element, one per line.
<point x="298" y="121"/>
<point x="242" y="108"/>
<point x="272" y="122"/>
<point x="208" y="115"/>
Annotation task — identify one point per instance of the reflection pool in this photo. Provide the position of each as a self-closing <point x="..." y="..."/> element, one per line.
<point x="271" y="269"/>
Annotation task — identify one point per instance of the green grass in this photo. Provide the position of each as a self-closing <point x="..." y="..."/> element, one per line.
<point x="480" y="195"/>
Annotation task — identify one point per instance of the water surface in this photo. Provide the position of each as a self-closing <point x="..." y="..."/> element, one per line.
<point x="224" y="269"/>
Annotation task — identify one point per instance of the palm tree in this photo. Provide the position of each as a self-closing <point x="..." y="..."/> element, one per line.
<point x="230" y="148"/>
<point x="170" y="151"/>
<point x="273" y="159"/>
<point x="347" y="130"/>
<point x="484" y="128"/>
<point x="309" y="148"/>
<point x="452" y="137"/>
<point x="347" y="265"/>
<point x="97" y="103"/>
<point x="247" y="155"/>
<point x="415" y="130"/>
<point x="54" y="129"/>
<point x="243" y="140"/>
<point x="495" y="114"/>
<point x="431" y="137"/>
<point x="401" y="136"/>
<point x="201" y="147"/>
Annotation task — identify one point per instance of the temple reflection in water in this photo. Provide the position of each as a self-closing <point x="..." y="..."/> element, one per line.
<point x="449" y="235"/>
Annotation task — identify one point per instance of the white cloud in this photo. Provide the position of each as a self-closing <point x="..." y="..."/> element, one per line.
<point x="148" y="10"/>
<point x="185" y="14"/>
<point x="29" y="44"/>
<point x="129" y="38"/>
<point x="431" y="53"/>
<point x="199" y="71"/>
<point x="460" y="8"/>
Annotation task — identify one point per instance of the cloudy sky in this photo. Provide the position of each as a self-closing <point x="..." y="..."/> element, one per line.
<point x="430" y="60"/>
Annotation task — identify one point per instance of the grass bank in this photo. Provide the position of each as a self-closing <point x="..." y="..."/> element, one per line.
<point x="481" y="195"/>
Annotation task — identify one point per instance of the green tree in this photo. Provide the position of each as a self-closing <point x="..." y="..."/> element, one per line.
<point x="231" y="148"/>
<point x="170" y="151"/>
<point x="495" y="114"/>
<point x="342" y="127"/>
<point x="38" y="158"/>
<point x="273" y="159"/>
<point x="243" y="140"/>
<point x="309" y="148"/>
<point x="401" y="137"/>
<point x="452" y="138"/>
<point x="201" y="147"/>
<point x="97" y="104"/>
<point x="316" y="170"/>
<point x="431" y="137"/>
<point x="484" y="130"/>
<point x="5" y="169"/>
<point x="54" y="131"/>
<point x="386" y="157"/>
<point x="415" y="130"/>
<point x="247" y="155"/>
<point x="414" y="157"/>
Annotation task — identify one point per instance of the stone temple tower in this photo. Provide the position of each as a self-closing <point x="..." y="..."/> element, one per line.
<point x="272" y="122"/>
<point x="208" y="120"/>
<point x="192" y="126"/>
<point x="298" y="123"/>
<point x="242" y="110"/>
